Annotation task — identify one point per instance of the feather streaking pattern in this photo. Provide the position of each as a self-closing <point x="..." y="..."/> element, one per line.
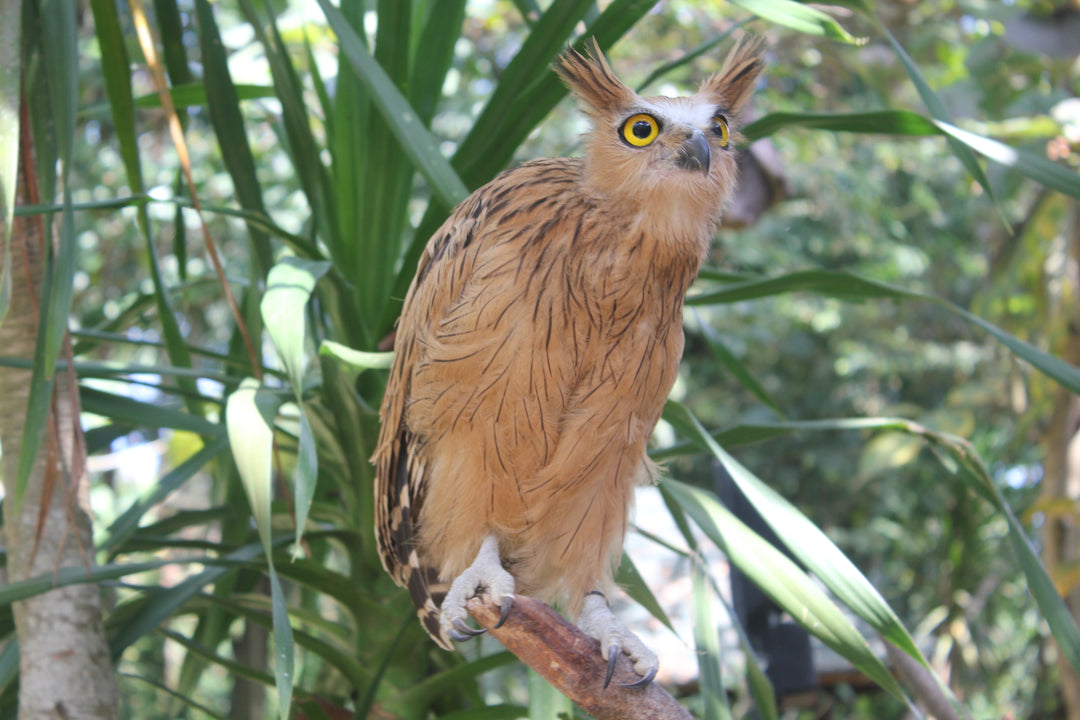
<point x="538" y="343"/>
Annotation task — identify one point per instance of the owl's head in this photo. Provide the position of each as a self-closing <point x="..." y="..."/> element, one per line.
<point x="664" y="157"/>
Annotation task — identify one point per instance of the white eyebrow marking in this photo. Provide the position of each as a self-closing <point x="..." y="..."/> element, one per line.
<point x="680" y="111"/>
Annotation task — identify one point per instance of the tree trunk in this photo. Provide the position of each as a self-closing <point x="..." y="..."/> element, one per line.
<point x="65" y="669"/>
<point x="1061" y="466"/>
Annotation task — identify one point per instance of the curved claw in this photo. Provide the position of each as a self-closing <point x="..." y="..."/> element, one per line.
<point x="648" y="678"/>
<point x="464" y="631"/>
<point x="504" y="610"/>
<point x="612" y="659"/>
<point x="458" y="637"/>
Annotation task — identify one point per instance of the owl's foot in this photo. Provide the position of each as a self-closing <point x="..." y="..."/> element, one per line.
<point x="486" y="576"/>
<point x="597" y="621"/>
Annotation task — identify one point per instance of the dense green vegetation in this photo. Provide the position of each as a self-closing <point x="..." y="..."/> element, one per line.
<point x="887" y="346"/>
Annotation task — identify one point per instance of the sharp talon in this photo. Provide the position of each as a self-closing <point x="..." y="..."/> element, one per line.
<point x="643" y="681"/>
<point x="458" y="637"/>
<point x="465" y="630"/>
<point x="612" y="659"/>
<point x="504" y="610"/>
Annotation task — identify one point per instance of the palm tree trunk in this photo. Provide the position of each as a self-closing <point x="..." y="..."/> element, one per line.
<point x="65" y="668"/>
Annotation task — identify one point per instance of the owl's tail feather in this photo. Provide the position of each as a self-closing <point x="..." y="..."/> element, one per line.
<point x="428" y="592"/>
<point x="398" y="536"/>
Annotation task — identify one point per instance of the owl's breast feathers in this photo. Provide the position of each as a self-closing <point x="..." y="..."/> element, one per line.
<point x="536" y="347"/>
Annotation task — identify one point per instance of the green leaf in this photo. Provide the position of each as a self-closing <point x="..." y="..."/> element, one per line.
<point x="228" y="123"/>
<point x="848" y="286"/>
<point x="307" y="470"/>
<point x="415" y="140"/>
<point x="284" y="651"/>
<point x="1034" y="166"/>
<point x="142" y="414"/>
<point x="10" y="82"/>
<point x="434" y="55"/>
<point x="707" y="647"/>
<point x="629" y="579"/>
<point x="799" y="17"/>
<point x="249" y="416"/>
<point x="937" y="111"/>
<point x="880" y="122"/>
<point x="903" y="122"/>
<point x="357" y="361"/>
<point x="288" y="289"/>
<point x="60" y="41"/>
<point x="301" y="145"/>
<point x="172" y="34"/>
<point x="116" y="69"/>
<point x="808" y="543"/>
<point x="545" y="701"/>
<point x="782" y="580"/>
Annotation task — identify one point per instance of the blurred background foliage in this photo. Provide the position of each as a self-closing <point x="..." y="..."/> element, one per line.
<point x="898" y="210"/>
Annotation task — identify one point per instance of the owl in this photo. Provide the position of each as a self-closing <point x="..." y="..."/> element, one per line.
<point x="536" y="347"/>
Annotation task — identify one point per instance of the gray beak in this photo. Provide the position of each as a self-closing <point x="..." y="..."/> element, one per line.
<point x="694" y="154"/>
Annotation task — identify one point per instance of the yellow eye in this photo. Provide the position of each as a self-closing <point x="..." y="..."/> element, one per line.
<point x="640" y="130"/>
<point x="720" y="129"/>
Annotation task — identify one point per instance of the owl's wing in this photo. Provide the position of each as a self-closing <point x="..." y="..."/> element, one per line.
<point x="400" y="459"/>
<point x="453" y="321"/>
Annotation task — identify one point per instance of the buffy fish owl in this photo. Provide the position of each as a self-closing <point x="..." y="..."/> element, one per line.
<point x="535" y="350"/>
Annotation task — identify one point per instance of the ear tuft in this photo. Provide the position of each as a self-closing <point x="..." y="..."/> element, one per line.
<point x="735" y="82"/>
<point x="591" y="78"/>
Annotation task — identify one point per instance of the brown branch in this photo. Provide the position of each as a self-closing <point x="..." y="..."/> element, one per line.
<point x="570" y="660"/>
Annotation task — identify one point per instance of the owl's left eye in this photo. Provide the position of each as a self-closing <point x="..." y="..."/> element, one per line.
<point x="640" y="130"/>
<point x="720" y="129"/>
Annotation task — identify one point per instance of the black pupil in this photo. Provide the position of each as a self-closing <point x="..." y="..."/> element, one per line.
<point x="642" y="129"/>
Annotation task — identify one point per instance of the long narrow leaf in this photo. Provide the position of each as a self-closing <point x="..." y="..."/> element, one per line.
<point x="811" y="546"/>
<point x="289" y="286"/>
<point x="116" y="70"/>
<point x="59" y="37"/>
<point x="799" y="17"/>
<point x="936" y="107"/>
<point x="629" y="579"/>
<point x="143" y="414"/>
<point x="1034" y="166"/>
<point x="249" y="416"/>
<point x="883" y="122"/>
<point x="228" y="122"/>
<point x="415" y="140"/>
<point x="284" y="651"/>
<point x="781" y="580"/>
<point x="707" y="645"/>
<point x="288" y="289"/>
<point x="10" y="82"/>
<point x="848" y="286"/>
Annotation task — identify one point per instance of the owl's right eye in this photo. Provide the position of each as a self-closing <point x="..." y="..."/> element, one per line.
<point x="640" y="130"/>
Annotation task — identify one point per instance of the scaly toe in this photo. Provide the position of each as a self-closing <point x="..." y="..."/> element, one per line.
<point x="597" y="622"/>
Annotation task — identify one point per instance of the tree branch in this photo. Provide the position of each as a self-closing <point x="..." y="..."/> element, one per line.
<point x="571" y="661"/>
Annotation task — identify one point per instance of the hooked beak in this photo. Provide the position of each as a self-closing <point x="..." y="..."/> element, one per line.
<point x="694" y="154"/>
